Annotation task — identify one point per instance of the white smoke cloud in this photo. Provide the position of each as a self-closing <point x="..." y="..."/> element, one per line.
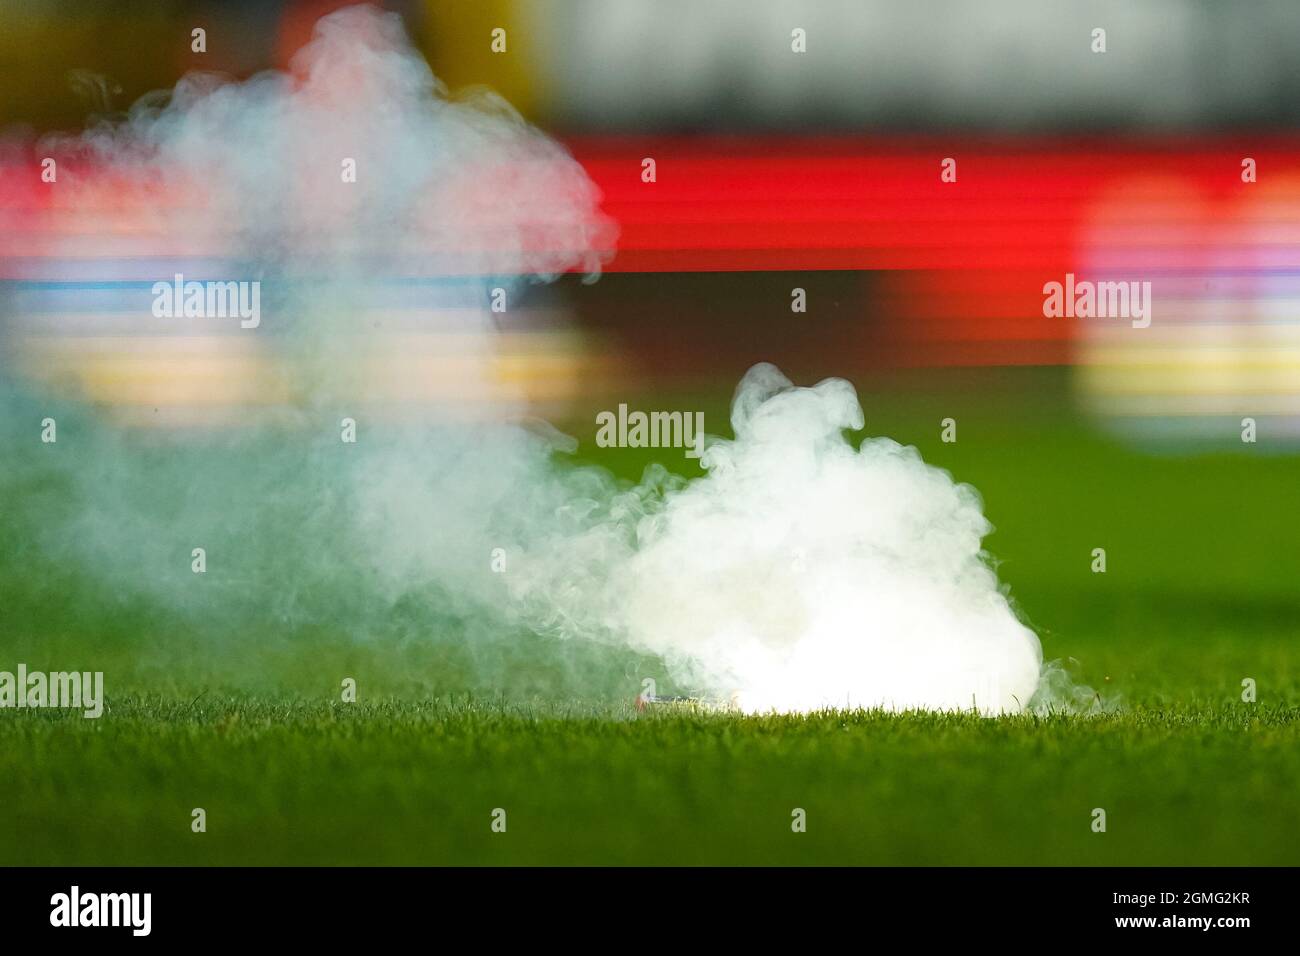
<point x="799" y="573"/>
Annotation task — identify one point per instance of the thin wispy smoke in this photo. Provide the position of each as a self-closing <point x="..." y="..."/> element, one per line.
<point x="800" y="572"/>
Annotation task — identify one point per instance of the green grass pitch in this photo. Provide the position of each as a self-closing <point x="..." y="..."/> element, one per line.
<point x="244" y="720"/>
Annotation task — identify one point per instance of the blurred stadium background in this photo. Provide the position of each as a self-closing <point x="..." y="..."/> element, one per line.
<point x="775" y="171"/>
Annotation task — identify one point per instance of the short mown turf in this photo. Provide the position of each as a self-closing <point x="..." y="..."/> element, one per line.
<point x="418" y="784"/>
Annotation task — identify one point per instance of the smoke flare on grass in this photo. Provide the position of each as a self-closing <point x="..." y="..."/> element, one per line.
<point x="799" y="573"/>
